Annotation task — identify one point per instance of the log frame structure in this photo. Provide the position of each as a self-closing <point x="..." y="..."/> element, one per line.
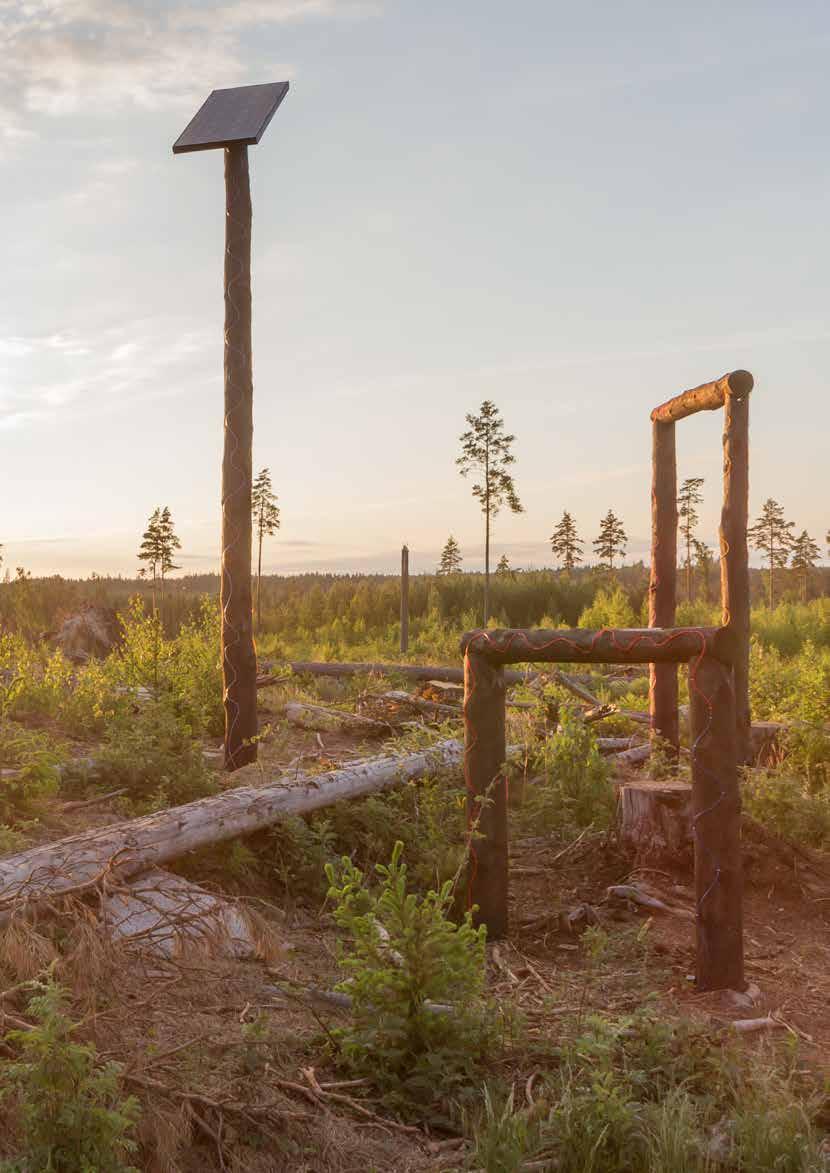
<point x="710" y="655"/>
<point x="731" y="392"/>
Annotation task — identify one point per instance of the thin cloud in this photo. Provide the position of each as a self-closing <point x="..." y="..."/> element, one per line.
<point x="63" y="56"/>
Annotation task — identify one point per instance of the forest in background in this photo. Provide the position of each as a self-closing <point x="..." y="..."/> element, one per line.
<point x="326" y="614"/>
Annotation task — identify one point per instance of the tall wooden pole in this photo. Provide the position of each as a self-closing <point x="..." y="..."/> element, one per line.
<point x="716" y="803"/>
<point x="484" y="756"/>
<point x="238" y="655"/>
<point x="662" y="598"/>
<point x="404" y="598"/>
<point x="734" y="555"/>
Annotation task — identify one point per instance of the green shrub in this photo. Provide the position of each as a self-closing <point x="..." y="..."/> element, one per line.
<point x="787" y="805"/>
<point x="34" y="759"/>
<point x="403" y="955"/>
<point x="153" y="755"/>
<point x="575" y="790"/>
<point x="72" y="1117"/>
<point x="610" y="608"/>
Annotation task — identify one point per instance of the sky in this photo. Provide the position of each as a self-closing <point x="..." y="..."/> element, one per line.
<point x="576" y="211"/>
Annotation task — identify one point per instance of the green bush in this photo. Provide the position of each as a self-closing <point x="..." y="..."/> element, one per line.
<point x="403" y="955"/>
<point x="610" y="608"/>
<point x="153" y="755"/>
<point x="575" y="790"/>
<point x="34" y="759"/>
<point x="71" y="1114"/>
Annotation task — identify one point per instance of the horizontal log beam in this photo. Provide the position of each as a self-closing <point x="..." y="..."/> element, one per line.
<point x="619" y="645"/>
<point x="706" y="397"/>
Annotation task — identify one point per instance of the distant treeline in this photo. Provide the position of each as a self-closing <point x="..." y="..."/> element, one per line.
<point x="313" y="602"/>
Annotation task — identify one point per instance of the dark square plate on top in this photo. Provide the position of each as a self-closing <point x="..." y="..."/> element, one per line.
<point x="232" y="117"/>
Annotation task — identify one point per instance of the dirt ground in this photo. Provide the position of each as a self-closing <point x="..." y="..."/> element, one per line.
<point x="229" y="1059"/>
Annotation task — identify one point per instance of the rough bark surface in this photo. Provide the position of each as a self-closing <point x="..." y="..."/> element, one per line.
<point x="408" y="671"/>
<point x="706" y="397"/>
<point x="662" y="598"/>
<point x="717" y="828"/>
<point x="735" y="556"/>
<point x="125" y="849"/>
<point x="484" y="756"/>
<point x="238" y="654"/>
<point x="620" y="645"/>
<point x="404" y="599"/>
<point x="656" y="820"/>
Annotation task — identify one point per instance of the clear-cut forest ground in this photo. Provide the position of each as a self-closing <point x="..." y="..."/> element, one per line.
<point x="580" y="1043"/>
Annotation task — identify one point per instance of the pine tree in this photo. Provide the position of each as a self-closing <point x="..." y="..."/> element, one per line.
<point x="611" y="540"/>
<point x="805" y="555"/>
<point x="503" y="566"/>
<point x="150" y="549"/>
<point x="566" y="543"/>
<point x="688" y="500"/>
<point x="771" y="534"/>
<point x="703" y="561"/>
<point x="158" y="544"/>
<point x="486" y="452"/>
<point x="266" y="516"/>
<point x="168" y="544"/>
<point x="450" y="557"/>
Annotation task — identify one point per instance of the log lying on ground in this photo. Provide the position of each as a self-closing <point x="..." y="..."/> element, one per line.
<point x="615" y="744"/>
<point x="334" y="720"/>
<point x="418" y="704"/>
<point x="410" y="671"/>
<point x="632" y="757"/>
<point x="125" y="849"/>
<point x="164" y="914"/>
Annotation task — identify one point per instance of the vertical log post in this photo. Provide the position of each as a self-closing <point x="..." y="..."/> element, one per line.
<point x="716" y="803"/>
<point x="238" y="655"/>
<point x="404" y="598"/>
<point x="662" y="598"/>
<point x="484" y="756"/>
<point x="734" y="554"/>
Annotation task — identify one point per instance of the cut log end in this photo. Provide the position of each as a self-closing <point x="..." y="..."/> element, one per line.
<point x="740" y="383"/>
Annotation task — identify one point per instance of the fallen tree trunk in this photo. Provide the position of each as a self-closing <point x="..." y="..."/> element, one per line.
<point x="632" y="757"/>
<point x="86" y="860"/>
<point x="410" y="671"/>
<point x="334" y="720"/>
<point x="615" y="744"/>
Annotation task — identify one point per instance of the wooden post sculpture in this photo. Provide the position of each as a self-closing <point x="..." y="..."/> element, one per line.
<point x="662" y="599"/>
<point x="484" y="756"/>
<point x="734" y="554"/>
<point x="716" y="803"/>
<point x="710" y="652"/>
<point x="238" y="654"/>
<point x="731" y="392"/>
<point x="404" y="598"/>
<point x="234" y="119"/>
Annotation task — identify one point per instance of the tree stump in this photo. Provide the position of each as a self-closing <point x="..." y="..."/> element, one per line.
<point x="656" y="821"/>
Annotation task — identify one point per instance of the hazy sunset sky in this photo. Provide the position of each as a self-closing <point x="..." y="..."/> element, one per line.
<point x="575" y="210"/>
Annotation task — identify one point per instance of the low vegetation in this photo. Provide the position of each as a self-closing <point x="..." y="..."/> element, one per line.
<point x="599" y="1070"/>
